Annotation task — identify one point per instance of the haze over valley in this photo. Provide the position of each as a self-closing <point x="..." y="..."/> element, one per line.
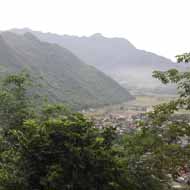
<point x="116" y="57"/>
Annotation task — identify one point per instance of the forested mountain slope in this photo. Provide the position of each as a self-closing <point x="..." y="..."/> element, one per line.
<point x="65" y="77"/>
<point x="116" y="57"/>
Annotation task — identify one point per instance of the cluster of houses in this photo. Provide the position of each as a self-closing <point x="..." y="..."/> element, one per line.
<point x="126" y="122"/>
<point x="123" y="118"/>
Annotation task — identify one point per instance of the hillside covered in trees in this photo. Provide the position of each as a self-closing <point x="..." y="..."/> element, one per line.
<point x="117" y="57"/>
<point x="64" y="77"/>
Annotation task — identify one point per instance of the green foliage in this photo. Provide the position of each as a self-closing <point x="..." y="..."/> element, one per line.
<point x="45" y="146"/>
<point x="15" y="100"/>
<point x="54" y="149"/>
<point x="152" y="156"/>
<point x="65" y="154"/>
<point x="141" y="162"/>
<point x="183" y="58"/>
<point x="170" y="146"/>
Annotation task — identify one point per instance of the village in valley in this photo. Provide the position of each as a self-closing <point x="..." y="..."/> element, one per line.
<point x="124" y="117"/>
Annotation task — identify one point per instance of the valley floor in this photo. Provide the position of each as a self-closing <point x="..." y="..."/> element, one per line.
<point x="126" y="115"/>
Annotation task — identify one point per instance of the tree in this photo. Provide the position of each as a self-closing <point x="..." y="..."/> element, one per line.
<point x="15" y="100"/>
<point x="16" y="106"/>
<point x="58" y="149"/>
<point x="153" y="156"/>
<point x="54" y="149"/>
<point x="65" y="153"/>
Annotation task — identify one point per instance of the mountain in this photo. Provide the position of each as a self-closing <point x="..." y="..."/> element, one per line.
<point x="65" y="77"/>
<point x="116" y="57"/>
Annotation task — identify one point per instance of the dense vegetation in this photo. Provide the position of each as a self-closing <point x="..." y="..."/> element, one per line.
<point x="65" y="77"/>
<point x="47" y="147"/>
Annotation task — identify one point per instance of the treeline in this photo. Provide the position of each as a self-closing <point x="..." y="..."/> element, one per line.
<point x="47" y="147"/>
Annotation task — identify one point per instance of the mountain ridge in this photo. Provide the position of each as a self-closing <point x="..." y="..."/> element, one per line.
<point x="66" y="77"/>
<point x="116" y="57"/>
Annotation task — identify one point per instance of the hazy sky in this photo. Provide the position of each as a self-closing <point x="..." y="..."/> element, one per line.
<point x="160" y="26"/>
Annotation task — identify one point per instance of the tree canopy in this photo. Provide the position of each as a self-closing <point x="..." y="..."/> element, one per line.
<point x="48" y="147"/>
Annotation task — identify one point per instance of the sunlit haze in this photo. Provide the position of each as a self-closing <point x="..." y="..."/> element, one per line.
<point x="160" y="26"/>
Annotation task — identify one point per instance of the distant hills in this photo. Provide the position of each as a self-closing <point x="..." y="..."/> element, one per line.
<point x="116" y="57"/>
<point x="65" y="77"/>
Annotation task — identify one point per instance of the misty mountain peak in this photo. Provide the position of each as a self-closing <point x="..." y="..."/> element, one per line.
<point x="30" y="36"/>
<point x="97" y="35"/>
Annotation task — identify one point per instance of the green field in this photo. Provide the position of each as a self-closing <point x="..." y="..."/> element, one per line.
<point x="149" y="100"/>
<point x="138" y="105"/>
